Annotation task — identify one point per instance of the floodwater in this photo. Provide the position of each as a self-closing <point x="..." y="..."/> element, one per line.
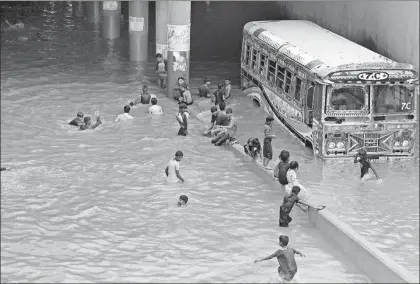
<point x="94" y="206"/>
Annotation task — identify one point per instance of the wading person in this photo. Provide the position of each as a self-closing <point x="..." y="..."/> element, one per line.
<point x="268" y="136"/>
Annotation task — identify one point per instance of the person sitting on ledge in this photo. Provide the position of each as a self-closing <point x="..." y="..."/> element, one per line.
<point x="253" y="148"/>
<point x="226" y="132"/>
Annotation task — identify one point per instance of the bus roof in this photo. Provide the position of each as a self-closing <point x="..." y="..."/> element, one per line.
<point x="317" y="48"/>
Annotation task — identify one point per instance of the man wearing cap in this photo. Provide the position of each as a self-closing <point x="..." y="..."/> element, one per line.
<point x="78" y="120"/>
<point x="204" y="89"/>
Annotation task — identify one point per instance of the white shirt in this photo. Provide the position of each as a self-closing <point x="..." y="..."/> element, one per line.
<point x="155" y="109"/>
<point x="123" y="117"/>
<point x="173" y="166"/>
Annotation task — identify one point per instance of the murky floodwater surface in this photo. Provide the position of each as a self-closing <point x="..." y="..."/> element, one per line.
<point x="94" y="206"/>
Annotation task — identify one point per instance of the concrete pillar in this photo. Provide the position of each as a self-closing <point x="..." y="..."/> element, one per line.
<point x="179" y="25"/>
<point x="111" y="19"/>
<point x="94" y="11"/>
<point x="139" y="30"/>
<point x="162" y="15"/>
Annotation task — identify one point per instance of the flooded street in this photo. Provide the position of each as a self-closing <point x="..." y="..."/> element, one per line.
<point x="94" y="206"/>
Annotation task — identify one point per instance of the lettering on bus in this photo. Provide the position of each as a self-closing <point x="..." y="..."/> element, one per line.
<point x="373" y="76"/>
<point x="406" y="106"/>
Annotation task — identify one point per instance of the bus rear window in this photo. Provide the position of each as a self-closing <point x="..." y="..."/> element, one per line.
<point x="393" y="99"/>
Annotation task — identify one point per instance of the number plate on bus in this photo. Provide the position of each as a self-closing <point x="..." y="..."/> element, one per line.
<point x="373" y="76"/>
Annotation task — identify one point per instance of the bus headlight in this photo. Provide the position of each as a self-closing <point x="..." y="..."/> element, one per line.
<point x="340" y="145"/>
<point x="331" y="145"/>
<point x="405" y="143"/>
<point x="397" y="144"/>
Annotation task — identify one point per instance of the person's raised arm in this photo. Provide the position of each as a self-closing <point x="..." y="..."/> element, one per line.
<point x="266" y="258"/>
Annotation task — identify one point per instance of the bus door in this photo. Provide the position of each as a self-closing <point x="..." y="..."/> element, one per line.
<point x="309" y="105"/>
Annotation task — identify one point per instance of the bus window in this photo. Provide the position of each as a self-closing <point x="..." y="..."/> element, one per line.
<point x="254" y="59"/>
<point x="288" y="81"/>
<point x="298" y="88"/>
<point x="393" y="99"/>
<point x="263" y="61"/>
<point x="310" y="97"/>
<point x="347" y="98"/>
<point x="271" y="71"/>
<point x="280" y="76"/>
<point x="318" y="101"/>
<point x="247" y="54"/>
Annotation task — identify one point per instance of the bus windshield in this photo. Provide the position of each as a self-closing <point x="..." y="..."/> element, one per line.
<point x="393" y="99"/>
<point x="347" y="98"/>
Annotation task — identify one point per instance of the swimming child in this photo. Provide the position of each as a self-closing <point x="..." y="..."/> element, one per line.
<point x="204" y="89"/>
<point x="183" y="199"/>
<point x="172" y="169"/>
<point x="88" y="122"/>
<point x="281" y="167"/>
<point x="155" y="109"/>
<point x="253" y="148"/>
<point x="182" y="118"/>
<point x="286" y="258"/>
<point x="267" y="148"/>
<point x="78" y="120"/>
<point x="161" y="70"/>
<point x="124" y="116"/>
<point x="365" y="165"/>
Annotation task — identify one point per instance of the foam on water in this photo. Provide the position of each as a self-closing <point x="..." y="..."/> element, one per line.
<point x="95" y="206"/>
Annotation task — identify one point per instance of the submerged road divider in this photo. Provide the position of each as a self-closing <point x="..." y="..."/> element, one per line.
<point x="376" y="265"/>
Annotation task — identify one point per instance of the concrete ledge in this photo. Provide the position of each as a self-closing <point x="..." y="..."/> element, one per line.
<point x="377" y="266"/>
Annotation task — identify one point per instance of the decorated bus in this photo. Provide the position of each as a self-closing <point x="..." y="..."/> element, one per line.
<point x="333" y="94"/>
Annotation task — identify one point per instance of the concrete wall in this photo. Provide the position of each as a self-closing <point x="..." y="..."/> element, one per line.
<point x="390" y="28"/>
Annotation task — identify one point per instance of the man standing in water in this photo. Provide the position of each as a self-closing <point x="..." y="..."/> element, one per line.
<point x="172" y="169"/>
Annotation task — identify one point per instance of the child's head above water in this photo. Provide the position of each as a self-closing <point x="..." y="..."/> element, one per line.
<point x="80" y="114"/>
<point x="283" y="240"/>
<point x="126" y="109"/>
<point x="153" y="101"/>
<point x="284" y="155"/>
<point x="86" y="120"/>
<point x="183" y="199"/>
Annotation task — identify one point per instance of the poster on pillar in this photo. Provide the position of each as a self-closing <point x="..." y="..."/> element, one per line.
<point x="162" y="49"/>
<point x="179" y="37"/>
<point x="180" y="61"/>
<point x="136" y="24"/>
<point x="110" y="5"/>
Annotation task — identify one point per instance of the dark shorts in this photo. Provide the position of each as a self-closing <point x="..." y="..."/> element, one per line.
<point x="363" y="171"/>
<point x="267" y="149"/>
<point x="182" y="131"/>
<point x="284" y="219"/>
<point x="287" y="276"/>
<point x="188" y="104"/>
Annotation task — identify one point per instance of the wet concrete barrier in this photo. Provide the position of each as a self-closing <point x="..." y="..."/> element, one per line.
<point x="377" y="266"/>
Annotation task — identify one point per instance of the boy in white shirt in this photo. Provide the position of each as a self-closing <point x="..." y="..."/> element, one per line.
<point x="172" y="169"/>
<point x="124" y="116"/>
<point x="155" y="109"/>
